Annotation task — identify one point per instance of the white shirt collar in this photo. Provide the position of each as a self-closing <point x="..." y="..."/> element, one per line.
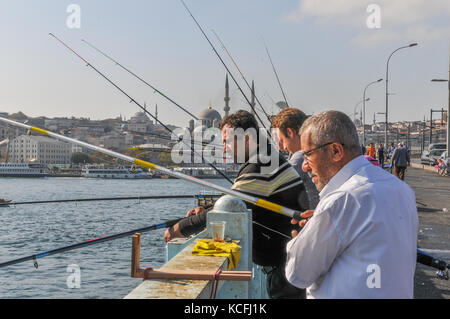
<point x="343" y="175"/>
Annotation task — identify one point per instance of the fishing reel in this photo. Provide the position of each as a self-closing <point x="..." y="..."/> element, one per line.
<point x="442" y="274"/>
<point x="428" y="260"/>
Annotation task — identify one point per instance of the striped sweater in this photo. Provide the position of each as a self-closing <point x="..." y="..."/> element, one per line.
<point x="281" y="185"/>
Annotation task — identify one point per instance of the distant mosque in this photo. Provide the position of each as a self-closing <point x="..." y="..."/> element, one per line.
<point x="210" y="117"/>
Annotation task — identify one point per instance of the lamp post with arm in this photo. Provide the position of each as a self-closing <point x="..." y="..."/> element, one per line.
<point x="448" y="107"/>
<point x="387" y="92"/>
<point x="364" y="109"/>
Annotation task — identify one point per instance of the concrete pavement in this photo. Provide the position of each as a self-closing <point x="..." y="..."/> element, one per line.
<point x="433" y="202"/>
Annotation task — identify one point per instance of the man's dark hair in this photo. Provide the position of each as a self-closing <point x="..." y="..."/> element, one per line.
<point x="289" y="118"/>
<point x="240" y="119"/>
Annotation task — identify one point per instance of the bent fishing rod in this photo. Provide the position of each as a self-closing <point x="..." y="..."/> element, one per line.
<point x="247" y="198"/>
<point x="223" y="63"/>
<point x="78" y="200"/>
<point x="95" y="241"/>
<point x="139" y="78"/>
<point x="276" y="74"/>
<point x="138" y="104"/>
<point x="242" y="75"/>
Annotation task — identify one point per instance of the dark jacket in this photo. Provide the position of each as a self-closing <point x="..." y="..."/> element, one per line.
<point x="400" y="158"/>
<point x="282" y="186"/>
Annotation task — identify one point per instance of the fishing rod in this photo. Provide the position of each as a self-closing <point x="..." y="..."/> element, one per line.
<point x="247" y="198"/>
<point x="139" y="105"/>
<point x="276" y="74"/>
<point x="97" y="199"/>
<point x="221" y="60"/>
<point x="168" y="138"/>
<point x="242" y="75"/>
<point x="140" y="79"/>
<point x="95" y="241"/>
<point x="428" y="260"/>
<point x="143" y="151"/>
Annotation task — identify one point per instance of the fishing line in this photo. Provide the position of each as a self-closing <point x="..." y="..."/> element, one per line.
<point x="139" y="105"/>
<point x="223" y="63"/>
<point x="242" y="75"/>
<point x="140" y="79"/>
<point x="99" y="240"/>
<point x="276" y="74"/>
<point x="98" y="199"/>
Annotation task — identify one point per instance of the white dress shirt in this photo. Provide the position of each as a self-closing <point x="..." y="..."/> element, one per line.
<point x="361" y="241"/>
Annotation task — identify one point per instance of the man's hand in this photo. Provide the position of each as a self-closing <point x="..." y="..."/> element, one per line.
<point x="172" y="232"/>
<point x="306" y="215"/>
<point x="196" y="211"/>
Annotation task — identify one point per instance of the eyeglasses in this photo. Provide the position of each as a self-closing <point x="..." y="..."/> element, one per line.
<point x="307" y="154"/>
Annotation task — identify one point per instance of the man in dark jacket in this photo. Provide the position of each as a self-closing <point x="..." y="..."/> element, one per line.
<point x="261" y="178"/>
<point x="400" y="159"/>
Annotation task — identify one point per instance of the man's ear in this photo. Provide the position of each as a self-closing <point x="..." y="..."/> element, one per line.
<point x="291" y="132"/>
<point x="337" y="151"/>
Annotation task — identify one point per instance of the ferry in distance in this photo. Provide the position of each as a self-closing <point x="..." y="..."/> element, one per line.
<point x="114" y="172"/>
<point x="23" y="170"/>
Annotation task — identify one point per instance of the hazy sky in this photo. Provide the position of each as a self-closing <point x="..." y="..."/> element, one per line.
<point x="324" y="52"/>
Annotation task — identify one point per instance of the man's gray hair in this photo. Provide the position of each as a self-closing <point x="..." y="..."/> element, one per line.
<point x="332" y="126"/>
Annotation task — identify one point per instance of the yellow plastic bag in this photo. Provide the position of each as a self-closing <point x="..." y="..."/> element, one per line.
<point x="208" y="247"/>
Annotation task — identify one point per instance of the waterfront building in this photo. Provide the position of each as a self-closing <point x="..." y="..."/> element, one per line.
<point x="39" y="149"/>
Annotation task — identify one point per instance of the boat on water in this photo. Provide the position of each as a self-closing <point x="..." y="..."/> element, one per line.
<point x="114" y="172"/>
<point x="5" y="201"/>
<point x="23" y="170"/>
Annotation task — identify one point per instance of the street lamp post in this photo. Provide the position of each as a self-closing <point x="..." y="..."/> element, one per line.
<point x="354" y="110"/>
<point x="387" y="92"/>
<point x="364" y="109"/>
<point x="448" y="107"/>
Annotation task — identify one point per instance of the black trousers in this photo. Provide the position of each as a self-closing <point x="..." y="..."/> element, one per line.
<point x="278" y="287"/>
<point x="399" y="171"/>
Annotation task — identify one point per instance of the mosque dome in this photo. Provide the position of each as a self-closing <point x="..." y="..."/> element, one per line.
<point x="209" y="115"/>
<point x="139" y="117"/>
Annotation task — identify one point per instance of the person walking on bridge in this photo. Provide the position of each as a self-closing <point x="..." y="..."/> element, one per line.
<point x="400" y="160"/>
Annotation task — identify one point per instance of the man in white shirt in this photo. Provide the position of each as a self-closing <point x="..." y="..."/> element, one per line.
<point x="362" y="240"/>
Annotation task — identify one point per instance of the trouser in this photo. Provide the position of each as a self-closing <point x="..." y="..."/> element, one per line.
<point x="399" y="171"/>
<point x="277" y="285"/>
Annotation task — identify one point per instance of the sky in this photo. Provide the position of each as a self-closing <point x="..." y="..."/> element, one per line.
<point x="325" y="53"/>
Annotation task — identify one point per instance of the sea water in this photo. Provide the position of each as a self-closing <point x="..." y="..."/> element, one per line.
<point x="97" y="271"/>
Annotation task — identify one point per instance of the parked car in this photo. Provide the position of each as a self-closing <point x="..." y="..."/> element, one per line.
<point x="444" y="157"/>
<point x="425" y="157"/>
<point x="430" y="157"/>
<point x="437" y="146"/>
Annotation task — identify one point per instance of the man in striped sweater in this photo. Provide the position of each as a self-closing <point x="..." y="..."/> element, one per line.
<point x="267" y="175"/>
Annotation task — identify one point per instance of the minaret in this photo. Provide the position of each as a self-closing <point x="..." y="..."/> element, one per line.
<point x="227" y="97"/>
<point x="156" y="114"/>
<point x="252" y="101"/>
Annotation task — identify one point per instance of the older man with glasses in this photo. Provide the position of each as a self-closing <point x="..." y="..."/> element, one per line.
<point x="362" y="240"/>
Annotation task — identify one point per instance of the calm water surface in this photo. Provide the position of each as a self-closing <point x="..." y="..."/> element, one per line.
<point x="105" y="268"/>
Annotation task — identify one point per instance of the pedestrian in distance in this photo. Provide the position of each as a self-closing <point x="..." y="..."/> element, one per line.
<point x="400" y="160"/>
<point x="380" y="153"/>
<point x="371" y="150"/>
